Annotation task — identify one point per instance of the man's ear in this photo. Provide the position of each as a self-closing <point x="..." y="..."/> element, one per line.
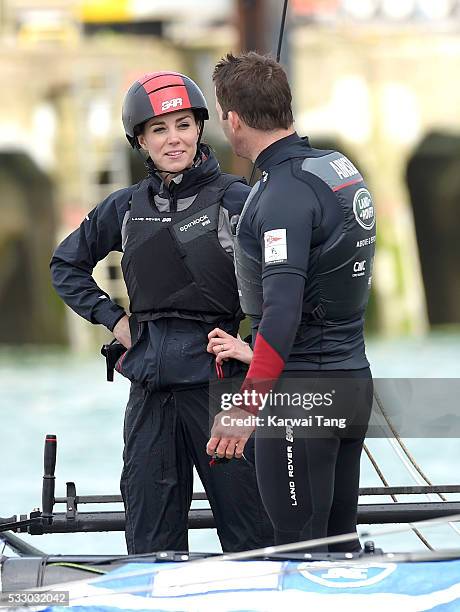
<point x="234" y="120"/>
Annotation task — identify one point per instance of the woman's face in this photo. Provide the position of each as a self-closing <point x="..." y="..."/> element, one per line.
<point x="171" y="140"/>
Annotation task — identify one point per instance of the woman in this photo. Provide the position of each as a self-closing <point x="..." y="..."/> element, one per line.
<point x="173" y="228"/>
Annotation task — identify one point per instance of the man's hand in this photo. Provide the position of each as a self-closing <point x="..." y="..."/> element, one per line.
<point x="230" y="433"/>
<point x="122" y="332"/>
<point x="224" y="346"/>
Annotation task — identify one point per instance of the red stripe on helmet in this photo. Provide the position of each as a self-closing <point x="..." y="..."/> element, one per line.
<point x="169" y="99"/>
<point x="157" y="80"/>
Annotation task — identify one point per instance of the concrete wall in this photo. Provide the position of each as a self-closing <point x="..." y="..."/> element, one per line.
<point x="379" y="91"/>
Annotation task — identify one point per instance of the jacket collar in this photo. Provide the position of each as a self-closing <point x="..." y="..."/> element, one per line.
<point x="286" y="148"/>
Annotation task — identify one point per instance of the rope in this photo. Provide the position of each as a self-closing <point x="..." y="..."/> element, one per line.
<point x="278" y="55"/>
<point x="393" y="497"/>
<point x="280" y="37"/>
<point x="409" y="455"/>
<point x="85" y="568"/>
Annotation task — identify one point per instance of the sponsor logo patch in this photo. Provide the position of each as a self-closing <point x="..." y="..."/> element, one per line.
<point x="174" y="103"/>
<point x="344" y="168"/>
<point x="204" y="220"/>
<point x="363" y="207"/>
<point x="359" y="268"/>
<point x="365" y="242"/>
<point x="275" y="246"/>
<point x="155" y="219"/>
<point x="341" y="575"/>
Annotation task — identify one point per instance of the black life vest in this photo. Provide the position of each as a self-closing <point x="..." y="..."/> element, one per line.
<point x="173" y="263"/>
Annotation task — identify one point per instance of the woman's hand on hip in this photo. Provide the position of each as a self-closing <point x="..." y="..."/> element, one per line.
<point x="122" y="332"/>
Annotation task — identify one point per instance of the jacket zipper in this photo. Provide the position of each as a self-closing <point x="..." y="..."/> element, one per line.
<point x="173" y="198"/>
<point x="160" y="352"/>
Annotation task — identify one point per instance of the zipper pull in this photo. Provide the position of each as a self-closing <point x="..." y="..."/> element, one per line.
<point x="220" y="371"/>
<point x="173" y="203"/>
<point x="216" y="460"/>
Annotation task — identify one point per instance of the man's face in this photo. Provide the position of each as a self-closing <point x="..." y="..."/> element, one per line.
<point x="223" y="123"/>
<point x="234" y="131"/>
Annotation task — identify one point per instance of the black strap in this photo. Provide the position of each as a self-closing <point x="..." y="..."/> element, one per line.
<point x="223" y="182"/>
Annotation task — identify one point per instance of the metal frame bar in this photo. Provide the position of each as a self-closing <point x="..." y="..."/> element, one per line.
<point x="409" y="490"/>
<point x="203" y="519"/>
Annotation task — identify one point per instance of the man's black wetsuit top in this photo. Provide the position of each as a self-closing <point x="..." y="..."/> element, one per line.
<point x="300" y="235"/>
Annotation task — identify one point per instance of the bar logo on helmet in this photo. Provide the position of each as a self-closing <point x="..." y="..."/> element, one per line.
<point x="174" y="103"/>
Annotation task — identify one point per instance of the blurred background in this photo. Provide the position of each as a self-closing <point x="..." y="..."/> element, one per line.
<point x="376" y="79"/>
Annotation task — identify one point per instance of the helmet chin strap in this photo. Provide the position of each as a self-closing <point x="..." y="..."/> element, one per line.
<point x="166" y="173"/>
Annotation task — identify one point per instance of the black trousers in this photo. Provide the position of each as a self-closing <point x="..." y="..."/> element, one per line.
<point x="165" y="435"/>
<point x="309" y="478"/>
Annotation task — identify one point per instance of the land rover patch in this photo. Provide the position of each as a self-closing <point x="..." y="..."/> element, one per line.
<point x="363" y="207"/>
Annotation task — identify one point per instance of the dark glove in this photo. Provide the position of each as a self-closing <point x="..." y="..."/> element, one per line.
<point x="112" y="353"/>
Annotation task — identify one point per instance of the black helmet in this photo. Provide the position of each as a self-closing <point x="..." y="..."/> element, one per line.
<point x="158" y="93"/>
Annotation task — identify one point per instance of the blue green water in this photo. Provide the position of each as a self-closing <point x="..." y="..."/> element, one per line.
<point x="64" y="394"/>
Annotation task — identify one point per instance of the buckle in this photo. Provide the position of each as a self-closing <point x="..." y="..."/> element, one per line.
<point x="318" y="313"/>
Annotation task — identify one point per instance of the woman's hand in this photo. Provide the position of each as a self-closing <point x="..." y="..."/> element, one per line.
<point x="224" y="346"/>
<point x="122" y="333"/>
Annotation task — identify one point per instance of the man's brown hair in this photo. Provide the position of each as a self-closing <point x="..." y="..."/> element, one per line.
<point x="256" y="87"/>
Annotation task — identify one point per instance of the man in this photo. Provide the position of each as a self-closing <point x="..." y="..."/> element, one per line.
<point x="173" y="228"/>
<point x="304" y="249"/>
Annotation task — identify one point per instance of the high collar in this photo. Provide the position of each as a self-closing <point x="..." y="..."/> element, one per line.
<point x="191" y="180"/>
<point x="282" y="149"/>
